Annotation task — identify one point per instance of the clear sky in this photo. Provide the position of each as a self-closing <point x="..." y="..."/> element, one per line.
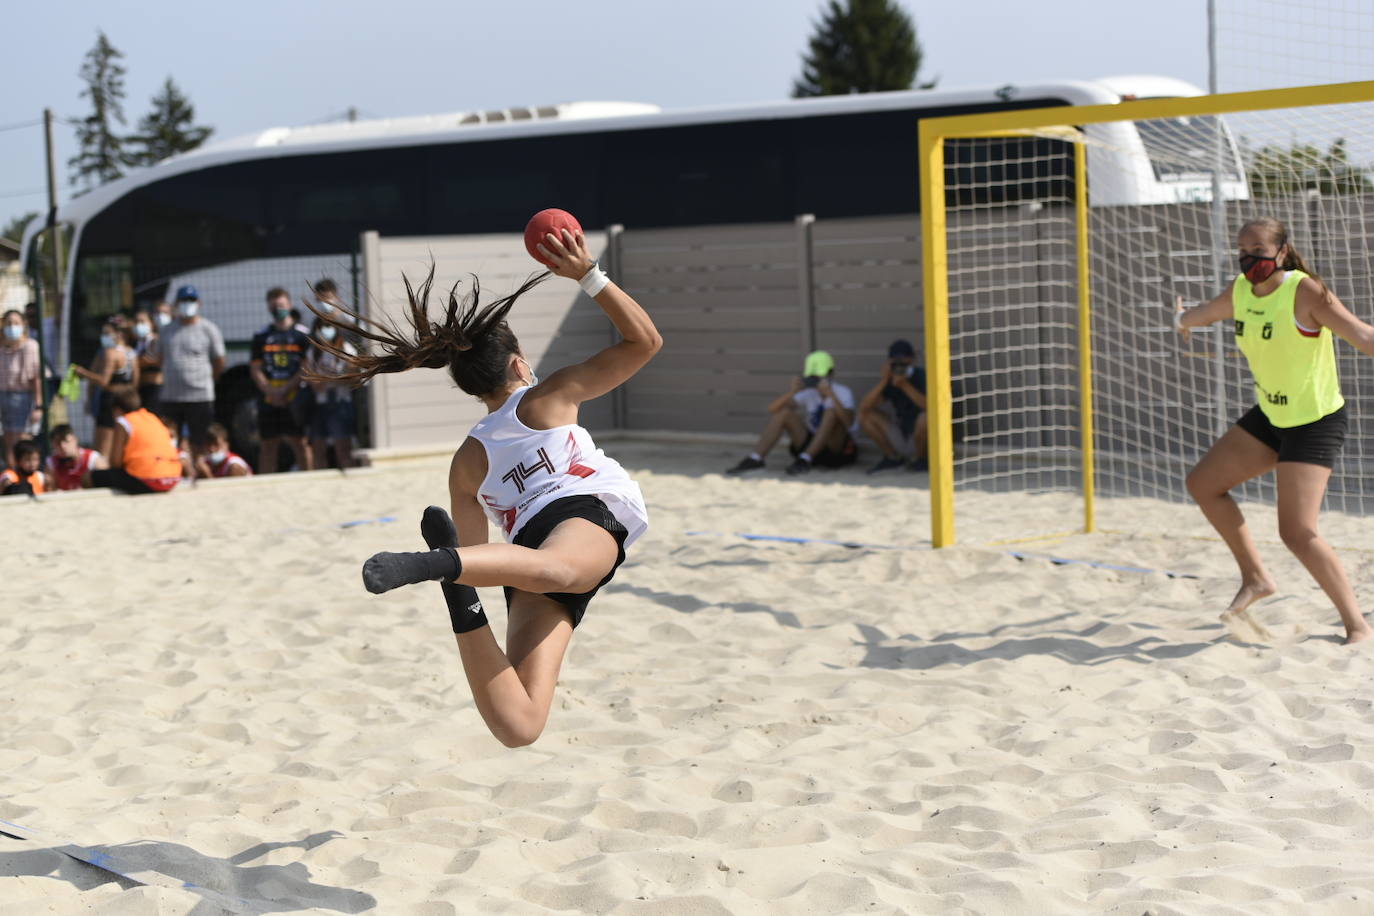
<point x="253" y="64"/>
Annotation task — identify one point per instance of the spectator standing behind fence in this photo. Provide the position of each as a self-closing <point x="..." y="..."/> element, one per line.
<point x="149" y="372"/>
<point x="142" y="456"/>
<point x="190" y="351"/>
<point x="115" y="364"/>
<point x="818" y="416"/>
<point x="893" y="414"/>
<point x="332" y="422"/>
<point x="69" y="463"/>
<point x="21" y="381"/>
<point x="277" y="363"/>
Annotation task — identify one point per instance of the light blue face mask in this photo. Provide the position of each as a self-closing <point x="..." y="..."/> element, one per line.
<point x="107" y="341"/>
<point x="534" y="379"/>
<point x="14" y="331"/>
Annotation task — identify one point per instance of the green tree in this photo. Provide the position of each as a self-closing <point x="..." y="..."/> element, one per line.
<point x="860" y="46"/>
<point x="14" y="229"/>
<point x="101" y="157"/>
<point x="1278" y="171"/>
<point x="167" y="129"/>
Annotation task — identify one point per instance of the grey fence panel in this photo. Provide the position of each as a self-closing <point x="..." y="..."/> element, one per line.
<point x="555" y="323"/>
<point x="867" y="275"/>
<point x="727" y="302"/>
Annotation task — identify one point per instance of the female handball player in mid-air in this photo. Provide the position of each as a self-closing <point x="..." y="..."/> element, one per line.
<point x="1284" y="317"/>
<point x="567" y="510"/>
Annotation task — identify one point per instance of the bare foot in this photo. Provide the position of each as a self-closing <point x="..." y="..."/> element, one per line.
<point x="1237" y="617"/>
<point x="1250" y="592"/>
<point x="1358" y="636"/>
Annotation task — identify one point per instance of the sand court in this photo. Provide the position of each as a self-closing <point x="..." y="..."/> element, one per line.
<point x="197" y="685"/>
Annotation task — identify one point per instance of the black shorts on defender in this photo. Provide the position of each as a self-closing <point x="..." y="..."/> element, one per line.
<point x="538" y="529"/>
<point x="1318" y="442"/>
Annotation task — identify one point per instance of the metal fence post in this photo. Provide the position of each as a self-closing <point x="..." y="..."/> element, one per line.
<point x="806" y="284"/>
<point x="615" y="269"/>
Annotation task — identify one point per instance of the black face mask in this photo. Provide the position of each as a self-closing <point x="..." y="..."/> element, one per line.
<point x="1258" y="268"/>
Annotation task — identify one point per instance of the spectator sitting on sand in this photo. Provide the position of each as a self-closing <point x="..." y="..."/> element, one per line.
<point x="69" y="463"/>
<point x="142" y="456"/>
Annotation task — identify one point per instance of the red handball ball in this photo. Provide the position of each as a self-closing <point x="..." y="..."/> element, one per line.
<point x="545" y="222"/>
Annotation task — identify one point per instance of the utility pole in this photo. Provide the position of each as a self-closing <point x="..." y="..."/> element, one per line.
<point x="1218" y="220"/>
<point x="55" y="240"/>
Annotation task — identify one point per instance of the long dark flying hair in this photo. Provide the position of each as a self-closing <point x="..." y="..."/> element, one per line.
<point x="1277" y="234"/>
<point x="473" y="341"/>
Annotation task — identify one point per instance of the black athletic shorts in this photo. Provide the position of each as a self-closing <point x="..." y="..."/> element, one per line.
<point x="538" y="529"/>
<point x="104" y="409"/>
<point x="119" y="479"/>
<point x="840" y="457"/>
<point x="1318" y="442"/>
<point x="275" y="422"/>
<point x="194" y="416"/>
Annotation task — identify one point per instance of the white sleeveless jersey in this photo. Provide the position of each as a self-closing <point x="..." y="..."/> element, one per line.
<point x="529" y="468"/>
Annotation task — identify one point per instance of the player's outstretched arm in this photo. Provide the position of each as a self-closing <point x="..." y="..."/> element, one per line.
<point x="614" y="365"/>
<point x="1210" y="312"/>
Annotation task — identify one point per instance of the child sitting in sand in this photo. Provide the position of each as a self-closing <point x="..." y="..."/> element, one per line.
<point x="25" y="477"/>
<point x="69" y="462"/>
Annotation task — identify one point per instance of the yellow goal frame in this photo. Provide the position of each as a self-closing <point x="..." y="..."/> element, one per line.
<point x="1064" y="122"/>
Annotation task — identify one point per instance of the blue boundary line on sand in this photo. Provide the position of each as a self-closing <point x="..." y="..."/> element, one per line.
<point x="380" y="520"/>
<point x="856" y="545"/>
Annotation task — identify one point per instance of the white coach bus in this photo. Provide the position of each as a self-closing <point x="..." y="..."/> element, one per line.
<point x="302" y="196"/>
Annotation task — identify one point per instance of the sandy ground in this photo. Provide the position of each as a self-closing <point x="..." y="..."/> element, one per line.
<point x="197" y="686"/>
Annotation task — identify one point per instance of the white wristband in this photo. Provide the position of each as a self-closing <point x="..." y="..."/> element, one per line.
<point x="594" y="280"/>
<point x="1178" y="319"/>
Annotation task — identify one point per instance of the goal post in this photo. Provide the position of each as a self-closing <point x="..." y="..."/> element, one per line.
<point x="1050" y="196"/>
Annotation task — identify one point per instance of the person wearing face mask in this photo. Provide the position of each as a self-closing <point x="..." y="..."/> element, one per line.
<point x="21" y="381"/>
<point x="115" y="364"/>
<point x="216" y="460"/>
<point x="163" y="315"/>
<point x="276" y="365"/>
<point x="191" y="352"/>
<point x="1285" y="318"/>
<point x="149" y="369"/>
<point x="332" y="422"/>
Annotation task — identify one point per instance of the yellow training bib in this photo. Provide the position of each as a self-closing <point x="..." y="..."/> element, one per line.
<point x="1295" y="372"/>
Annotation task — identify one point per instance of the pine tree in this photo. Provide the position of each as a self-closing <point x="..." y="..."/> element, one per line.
<point x="860" y="46"/>
<point x="101" y="158"/>
<point x="167" y="129"/>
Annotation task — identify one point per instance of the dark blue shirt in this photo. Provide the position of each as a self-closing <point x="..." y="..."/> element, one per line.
<point x="903" y="406"/>
<point x="281" y="353"/>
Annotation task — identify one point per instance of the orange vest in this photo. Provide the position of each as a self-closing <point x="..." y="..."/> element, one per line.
<point x="9" y="476"/>
<point x="149" y="454"/>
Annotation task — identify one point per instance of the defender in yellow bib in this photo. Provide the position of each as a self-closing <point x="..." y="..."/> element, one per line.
<point x="1285" y="318"/>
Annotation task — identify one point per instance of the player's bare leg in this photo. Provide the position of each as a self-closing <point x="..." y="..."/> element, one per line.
<point x="1301" y="487"/>
<point x="1235" y="458"/>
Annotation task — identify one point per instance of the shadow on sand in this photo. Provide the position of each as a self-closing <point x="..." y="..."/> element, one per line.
<point x="225" y="885"/>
